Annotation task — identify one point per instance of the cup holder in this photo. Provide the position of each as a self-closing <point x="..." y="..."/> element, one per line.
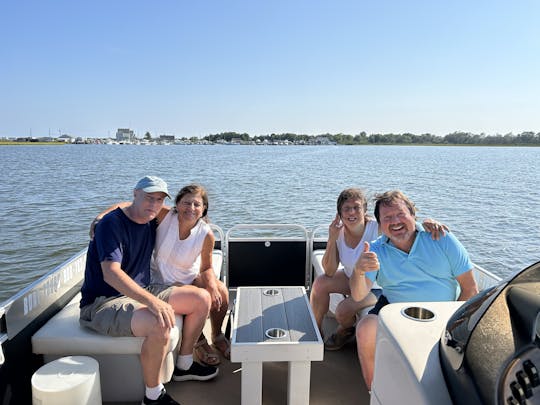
<point x="275" y="333"/>
<point x="271" y="292"/>
<point x="418" y="314"/>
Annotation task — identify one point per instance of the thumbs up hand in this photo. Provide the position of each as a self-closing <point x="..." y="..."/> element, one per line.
<point x="367" y="261"/>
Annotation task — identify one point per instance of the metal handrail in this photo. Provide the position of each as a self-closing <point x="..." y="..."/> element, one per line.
<point x="217" y="229"/>
<point x="484" y="278"/>
<point x="31" y="301"/>
<point x="268" y="227"/>
<point x="314" y="232"/>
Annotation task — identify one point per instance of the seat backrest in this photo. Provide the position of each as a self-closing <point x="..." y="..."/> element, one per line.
<point x="267" y="256"/>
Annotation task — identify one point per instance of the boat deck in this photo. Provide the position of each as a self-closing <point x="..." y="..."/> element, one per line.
<point x="335" y="380"/>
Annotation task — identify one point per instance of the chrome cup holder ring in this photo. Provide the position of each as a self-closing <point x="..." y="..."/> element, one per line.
<point x="271" y="292"/>
<point x="275" y="333"/>
<point x="418" y="314"/>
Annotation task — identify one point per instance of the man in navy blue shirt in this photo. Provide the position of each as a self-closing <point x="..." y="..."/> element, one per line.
<point x="118" y="300"/>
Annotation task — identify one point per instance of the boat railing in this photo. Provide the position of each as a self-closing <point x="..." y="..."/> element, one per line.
<point x="219" y="244"/>
<point x="220" y="236"/>
<point x="45" y="294"/>
<point x="484" y="278"/>
<point x="31" y="301"/>
<point x="318" y="237"/>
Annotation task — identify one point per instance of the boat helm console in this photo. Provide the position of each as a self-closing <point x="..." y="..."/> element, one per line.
<point x="490" y="350"/>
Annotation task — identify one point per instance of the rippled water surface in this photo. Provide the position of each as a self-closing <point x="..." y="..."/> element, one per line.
<point x="49" y="194"/>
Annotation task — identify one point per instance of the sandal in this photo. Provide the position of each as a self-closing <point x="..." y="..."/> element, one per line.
<point x="222" y="345"/>
<point x="205" y="353"/>
<point x="337" y="340"/>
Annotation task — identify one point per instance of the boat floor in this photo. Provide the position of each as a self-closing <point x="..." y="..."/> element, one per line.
<point x="335" y="380"/>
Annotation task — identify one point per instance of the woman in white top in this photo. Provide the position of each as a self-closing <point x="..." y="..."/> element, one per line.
<point x="346" y="236"/>
<point x="183" y="256"/>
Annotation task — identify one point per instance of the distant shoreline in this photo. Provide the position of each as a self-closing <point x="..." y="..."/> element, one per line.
<point x="459" y="138"/>
<point x="13" y="143"/>
<point x="9" y="143"/>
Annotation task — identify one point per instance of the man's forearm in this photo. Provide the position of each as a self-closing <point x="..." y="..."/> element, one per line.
<point x="360" y="285"/>
<point x="121" y="282"/>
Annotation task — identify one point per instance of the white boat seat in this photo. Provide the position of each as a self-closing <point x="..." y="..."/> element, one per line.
<point x="118" y="357"/>
<point x="335" y="299"/>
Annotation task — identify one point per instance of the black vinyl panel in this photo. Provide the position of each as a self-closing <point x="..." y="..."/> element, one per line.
<point x="253" y="263"/>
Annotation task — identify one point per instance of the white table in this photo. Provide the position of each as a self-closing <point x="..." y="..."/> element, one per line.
<point x="259" y="313"/>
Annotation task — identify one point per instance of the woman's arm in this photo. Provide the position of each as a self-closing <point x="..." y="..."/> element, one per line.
<point x="208" y="278"/>
<point x="98" y="217"/>
<point x="162" y="213"/>
<point x="124" y="204"/>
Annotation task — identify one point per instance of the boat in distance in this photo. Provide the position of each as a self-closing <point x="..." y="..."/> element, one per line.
<point x="482" y="351"/>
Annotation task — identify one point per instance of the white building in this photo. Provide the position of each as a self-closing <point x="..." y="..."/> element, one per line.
<point x="125" y="135"/>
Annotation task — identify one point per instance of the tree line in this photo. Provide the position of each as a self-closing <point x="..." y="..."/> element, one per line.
<point x="527" y="138"/>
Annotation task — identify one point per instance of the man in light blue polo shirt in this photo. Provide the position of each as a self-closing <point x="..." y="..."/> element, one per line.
<point x="409" y="266"/>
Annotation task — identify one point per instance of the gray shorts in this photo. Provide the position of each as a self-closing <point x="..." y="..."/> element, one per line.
<point x="112" y="315"/>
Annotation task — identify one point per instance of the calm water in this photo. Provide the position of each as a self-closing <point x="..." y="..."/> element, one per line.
<point x="488" y="196"/>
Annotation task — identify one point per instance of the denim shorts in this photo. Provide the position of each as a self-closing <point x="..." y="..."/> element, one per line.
<point x="112" y="315"/>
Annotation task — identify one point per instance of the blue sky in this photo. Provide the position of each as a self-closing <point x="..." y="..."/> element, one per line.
<point x="193" y="68"/>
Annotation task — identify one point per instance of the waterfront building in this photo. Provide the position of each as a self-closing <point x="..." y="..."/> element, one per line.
<point x="125" y="135"/>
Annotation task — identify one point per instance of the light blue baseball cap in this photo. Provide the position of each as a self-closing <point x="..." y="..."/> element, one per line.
<point x="152" y="184"/>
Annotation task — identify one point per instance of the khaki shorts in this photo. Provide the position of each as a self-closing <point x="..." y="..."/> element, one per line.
<point x="112" y="315"/>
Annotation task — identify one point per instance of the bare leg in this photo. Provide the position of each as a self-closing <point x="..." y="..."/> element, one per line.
<point x="366" y="333"/>
<point x="218" y="315"/>
<point x="322" y="287"/>
<point x="154" y="347"/>
<point x="348" y="308"/>
<point x="194" y="304"/>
